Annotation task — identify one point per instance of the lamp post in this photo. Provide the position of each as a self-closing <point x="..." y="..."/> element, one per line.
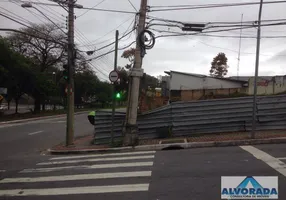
<point x="29" y="5"/>
<point x="71" y="58"/>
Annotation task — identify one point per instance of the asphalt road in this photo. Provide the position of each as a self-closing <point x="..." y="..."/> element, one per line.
<point x="21" y="143"/>
<point x="163" y="175"/>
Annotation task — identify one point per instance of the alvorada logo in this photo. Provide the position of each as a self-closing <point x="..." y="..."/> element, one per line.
<point x="242" y="189"/>
<point x="250" y="187"/>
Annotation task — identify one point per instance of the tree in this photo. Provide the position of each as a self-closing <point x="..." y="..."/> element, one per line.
<point x="46" y="52"/>
<point x="219" y="66"/>
<point x="16" y="73"/>
<point x="130" y="55"/>
<point x="85" y="86"/>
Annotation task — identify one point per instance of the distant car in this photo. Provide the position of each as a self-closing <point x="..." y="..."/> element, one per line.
<point x="3" y="107"/>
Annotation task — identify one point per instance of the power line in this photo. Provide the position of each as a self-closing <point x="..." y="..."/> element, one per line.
<point x="104" y="54"/>
<point x="17" y="16"/>
<point x="191" y="7"/>
<point x="209" y="23"/>
<point x="11" y="18"/>
<point x="214" y="31"/>
<point x="114" y="41"/>
<point x="92" y="7"/>
<point x="133" y="5"/>
<point x="109" y="10"/>
<point x="111" y="30"/>
<point x="27" y="27"/>
<point x="83" y="8"/>
<point x="225" y="48"/>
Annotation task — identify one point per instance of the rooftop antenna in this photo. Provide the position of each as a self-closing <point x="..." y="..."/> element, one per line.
<point x="238" y="59"/>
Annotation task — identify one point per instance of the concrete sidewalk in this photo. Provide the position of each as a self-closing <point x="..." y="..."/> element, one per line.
<point x="85" y="145"/>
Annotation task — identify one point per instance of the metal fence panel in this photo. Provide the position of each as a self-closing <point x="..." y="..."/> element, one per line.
<point x="198" y="117"/>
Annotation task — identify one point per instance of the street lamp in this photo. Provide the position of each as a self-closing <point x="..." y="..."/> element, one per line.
<point x="29" y="5"/>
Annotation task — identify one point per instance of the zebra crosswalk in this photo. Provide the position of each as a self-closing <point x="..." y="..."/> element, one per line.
<point x="94" y="174"/>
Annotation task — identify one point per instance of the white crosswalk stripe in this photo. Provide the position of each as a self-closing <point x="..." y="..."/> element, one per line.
<point x="95" y="160"/>
<point x="66" y="175"/>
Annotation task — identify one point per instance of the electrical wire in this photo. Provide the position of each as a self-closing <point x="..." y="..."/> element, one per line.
<point x="29" y="34"/>
<point x="91" y="7"/>
<point x="214" y="31"/>
<point x="17" y="16"/>
<point x="109" y="10"/>
<point x="144" y="42"/>
<point x="114" y="41"/>
<point x="191" y="7"/>
<point x="104" y="54"/>
<point x="132" y="5"/>
<point x="43" y="34"/>
<point x="210" y="23"/>
<point x="112" y="30"/>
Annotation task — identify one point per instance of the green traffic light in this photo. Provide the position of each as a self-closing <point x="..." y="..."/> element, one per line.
<point x="118" y="96"/>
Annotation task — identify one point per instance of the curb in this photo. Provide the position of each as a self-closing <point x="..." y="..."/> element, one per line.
<point x="38" y="118"/>
<point x="160" y="147"/>
<point x="83" y="151"/>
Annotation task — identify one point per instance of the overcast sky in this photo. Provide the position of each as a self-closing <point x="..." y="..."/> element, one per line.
<point x="191" y="54"/>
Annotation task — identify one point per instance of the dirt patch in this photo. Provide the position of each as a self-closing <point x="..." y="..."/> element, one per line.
<point x="172" y="141"/>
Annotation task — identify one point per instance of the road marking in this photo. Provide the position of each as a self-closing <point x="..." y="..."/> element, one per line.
<point x="102" y="155"/>
<point x="2" y="170"/>
<point x="101" y="166"/>
<point x="36" y="121"/>
<point x="268" y="159"/>
<point x="34" y="133"/>
<point x="75" y="190"/>
<point x="283" y="158"/>
<point x="57" y="122"/>
<point x="77" y="177"/>
<point x="95" y="160"/>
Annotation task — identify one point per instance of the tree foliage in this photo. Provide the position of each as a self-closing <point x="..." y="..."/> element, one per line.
<point x="31" y="63"/>
<point x="16" y="72"/>
<point x="130" y="55"/>
<point x="219" y="66"/>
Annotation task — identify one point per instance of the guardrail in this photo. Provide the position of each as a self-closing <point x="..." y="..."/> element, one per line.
<point x="197" y="117"/>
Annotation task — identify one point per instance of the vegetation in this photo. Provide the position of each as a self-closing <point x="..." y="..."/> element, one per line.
<point x="219" y="66"/>
<point x="31" y="64"/>
<point x="32" y="61"/>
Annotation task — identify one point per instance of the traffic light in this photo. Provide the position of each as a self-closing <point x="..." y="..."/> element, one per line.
<point x="66" y="72"/>
<point x="118" y="95"/>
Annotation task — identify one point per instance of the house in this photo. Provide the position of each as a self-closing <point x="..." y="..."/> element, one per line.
<point x="189" y="86"/>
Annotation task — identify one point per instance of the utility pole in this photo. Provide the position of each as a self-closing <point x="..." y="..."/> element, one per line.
<point x="71" y="58"/>
<point x="131" y="129"/>
<point x="256" y="71"/>
<point x="113" y="89"/>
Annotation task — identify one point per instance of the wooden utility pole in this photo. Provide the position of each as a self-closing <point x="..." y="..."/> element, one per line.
<point x="131" y="129"/>
<point x="70" y="90"/>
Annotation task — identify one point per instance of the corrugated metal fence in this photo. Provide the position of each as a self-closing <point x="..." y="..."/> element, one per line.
<point x="208" y="116"/>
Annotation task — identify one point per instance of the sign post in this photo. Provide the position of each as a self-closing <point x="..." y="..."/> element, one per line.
<point x="113" y="77"/>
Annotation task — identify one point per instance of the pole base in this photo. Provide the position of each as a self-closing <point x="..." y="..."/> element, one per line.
<point x="131" y="137"/>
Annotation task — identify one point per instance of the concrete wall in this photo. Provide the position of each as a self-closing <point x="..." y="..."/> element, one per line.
<point x="186" y="82"/>
<point x="267" y="87"/>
